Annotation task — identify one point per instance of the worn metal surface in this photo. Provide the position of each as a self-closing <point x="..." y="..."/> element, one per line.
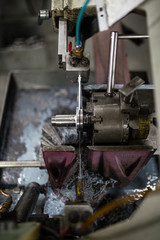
<point x="60" y="164"/>
<point x="32" y="108"/>
<point x="120" y="163"/>
<point x="95" y="188"/>
<point x="114" y="9"/>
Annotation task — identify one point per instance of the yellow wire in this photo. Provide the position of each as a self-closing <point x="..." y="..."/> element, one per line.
<point x="6" y="205"/>
<point x="5" y="194"/>
<point x="111" y="206"/>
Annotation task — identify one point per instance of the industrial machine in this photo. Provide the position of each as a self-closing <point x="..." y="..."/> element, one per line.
<point x="114" y="122"/>
<point x="110" y="135"/>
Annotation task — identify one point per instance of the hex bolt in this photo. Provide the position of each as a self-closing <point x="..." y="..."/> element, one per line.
<point x="74" y="61"/>
<point x="44" y="14"/>
<point x="85" y="62"/>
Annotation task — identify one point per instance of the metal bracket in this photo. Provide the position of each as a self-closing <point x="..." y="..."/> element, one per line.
<point x="102" y="15"/>
<point x="129" y="89"/>
<point x="62" y="42"/>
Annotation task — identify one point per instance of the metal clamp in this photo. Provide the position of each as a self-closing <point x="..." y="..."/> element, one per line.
<point x="129" y="89"/>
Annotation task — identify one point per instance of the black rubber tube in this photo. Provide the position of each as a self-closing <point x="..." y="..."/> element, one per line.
<point x="27" y="202"/>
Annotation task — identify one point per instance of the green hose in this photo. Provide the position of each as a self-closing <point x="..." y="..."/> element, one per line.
<point x="79" y="19"/>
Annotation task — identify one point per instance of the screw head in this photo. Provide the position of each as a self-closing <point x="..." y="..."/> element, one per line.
<point x="85" y="62"/>
<point x="74" y="61"/>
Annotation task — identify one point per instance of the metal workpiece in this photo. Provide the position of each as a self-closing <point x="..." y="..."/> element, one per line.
<point x="112" y="63"/>
<point x="27" y="202"/>
<point x="64" y="121"/>
<point x="44" y="14"/>
<point x="69" y="120"/>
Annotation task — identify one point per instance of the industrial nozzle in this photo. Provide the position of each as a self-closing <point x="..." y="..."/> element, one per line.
<point x="80" y="189"/>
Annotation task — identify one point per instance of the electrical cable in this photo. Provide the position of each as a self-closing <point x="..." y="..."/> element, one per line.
<point x="6" y="205"/>
<point x="5" y="194"/>
<point x="78" y="24"/>
<point x="112" y="205"/>
<point x="65" y="231"/>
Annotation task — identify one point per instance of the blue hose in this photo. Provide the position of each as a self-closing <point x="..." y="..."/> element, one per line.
<point x="79" y="19"/>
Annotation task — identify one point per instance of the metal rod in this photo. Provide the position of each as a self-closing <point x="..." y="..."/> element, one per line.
<point x="15" y="164"/>
<point x="112" y="63"/>
<point x="64" y="120"/>
<point x="79" y="93"/>
<point x="100" y="87"/>
<point x="133" y="36"/>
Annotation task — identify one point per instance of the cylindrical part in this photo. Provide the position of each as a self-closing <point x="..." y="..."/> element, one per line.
<point x="44" y="14"/>
<point x="114" y="127"/>
<point x="112" y="63"/>
<point x="27" y="202"/>
<point x="64" y="121"/>
<point x="133" y="36"/>
<point x="16" y="164"/>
